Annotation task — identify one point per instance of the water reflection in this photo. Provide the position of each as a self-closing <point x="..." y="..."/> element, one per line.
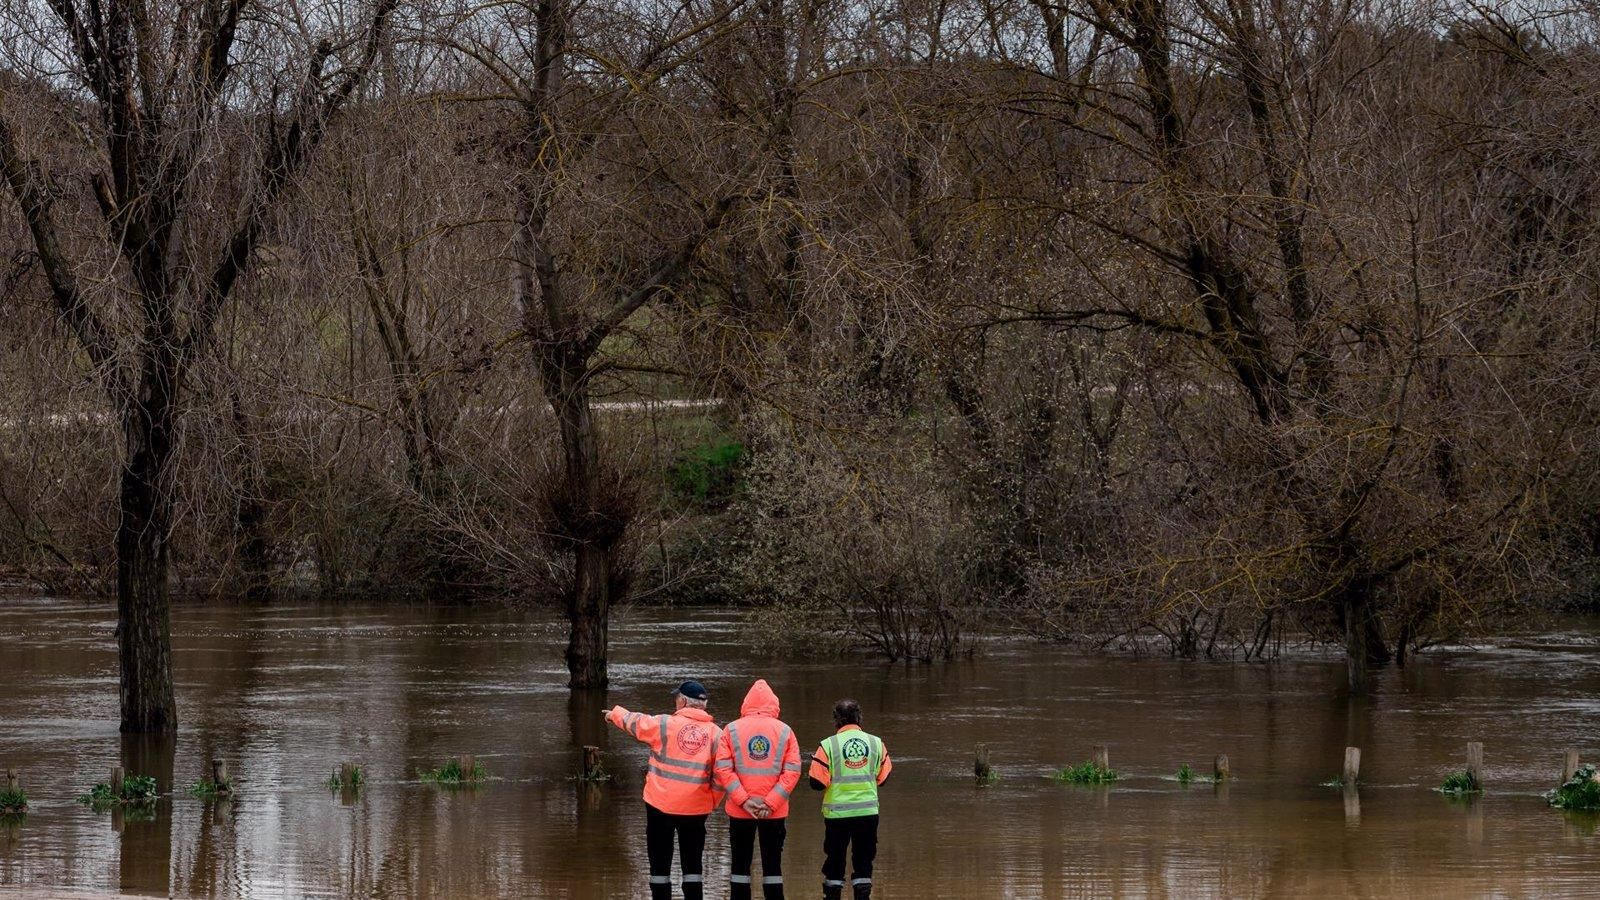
<point x="284" y="695"/>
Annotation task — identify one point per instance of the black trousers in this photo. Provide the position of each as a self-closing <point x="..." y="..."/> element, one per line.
<point x="742" y="834"/>
<point x="659" y="830"/>
<point x="858" y="835"/>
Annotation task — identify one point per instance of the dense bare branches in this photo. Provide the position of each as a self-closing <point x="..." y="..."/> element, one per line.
<point x="1214" y="322"/>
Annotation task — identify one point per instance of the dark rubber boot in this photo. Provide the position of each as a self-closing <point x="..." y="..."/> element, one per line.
<point x="660" y="891"/>
<point x="864" y="891"/>
<point x="833" y="892"/>
<point x="772" y="891"/>
<point x="694" y="890"/>
<point x="739" y="890"/>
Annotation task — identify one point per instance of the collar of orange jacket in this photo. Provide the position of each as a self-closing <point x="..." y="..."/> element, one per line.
<point x="761" y="701"/>
<point x="848" y="728"/>
<point x="690" y="712"/>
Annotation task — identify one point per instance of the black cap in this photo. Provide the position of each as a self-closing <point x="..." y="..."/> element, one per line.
<point x="694" y="690"/>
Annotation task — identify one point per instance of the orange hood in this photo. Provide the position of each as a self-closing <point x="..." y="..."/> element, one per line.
<point x="761" y="701"/>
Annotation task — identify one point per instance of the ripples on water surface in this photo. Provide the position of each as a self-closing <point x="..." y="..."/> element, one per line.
<point x="286" y="693"/>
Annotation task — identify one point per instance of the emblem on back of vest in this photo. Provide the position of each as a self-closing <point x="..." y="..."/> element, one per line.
<point x="759" y="748"/>
<point x="693" y="738"/>
<point x="855" y="753"/>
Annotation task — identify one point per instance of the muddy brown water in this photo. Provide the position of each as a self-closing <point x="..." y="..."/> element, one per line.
<point x="284" y="694"/>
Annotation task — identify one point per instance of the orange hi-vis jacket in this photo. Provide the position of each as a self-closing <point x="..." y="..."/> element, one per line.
<point x="820" y="769"/>
<point x="758" y="756"/>
<point x="683" y="747"/>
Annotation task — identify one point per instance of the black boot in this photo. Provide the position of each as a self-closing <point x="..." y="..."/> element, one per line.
<point x="772" y="890"/>
<point x="660" y="890"/>
<point x="832" y="891"/>
<point x="739" y="890"/>
<point x="693" y="890"/>
<point x="863" y="890"/>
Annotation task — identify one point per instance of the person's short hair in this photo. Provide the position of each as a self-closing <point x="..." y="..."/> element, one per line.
<point x="846" y="712"/>
<point x="696" y="702"/>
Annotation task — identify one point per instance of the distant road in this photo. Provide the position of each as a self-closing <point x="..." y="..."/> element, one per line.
<point x="101" y="417"/>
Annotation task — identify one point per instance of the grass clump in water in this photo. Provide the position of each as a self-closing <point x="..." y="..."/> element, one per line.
<point x="137" y="790"/>
<point x="1460" y="783"/>
<point x="340" y="781"/>
<point x="1188" y="776"/>
<point x="206" y="789"/>
<point x="1581" y="792"/>
<point x="13" y="802"/>
<point x="1086" y="773"/>
<point x="451" y="773"/>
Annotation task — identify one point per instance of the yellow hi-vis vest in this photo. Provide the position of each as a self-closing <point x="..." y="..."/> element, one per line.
<point x="854" y="758"/>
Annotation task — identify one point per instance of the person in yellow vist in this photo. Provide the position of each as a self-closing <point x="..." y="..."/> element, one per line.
<point x="848" y="768"/>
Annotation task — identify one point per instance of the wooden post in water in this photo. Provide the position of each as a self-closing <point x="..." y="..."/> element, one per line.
<point x="980" y="764"/>
<point x="591" y="764"/>
<point x="1569" y="765"/>
<point x="1219" y="770"/>
<point x="1102" y="757"/>
<point x="347" y="776"/>
<point x="117" y="779"/>
<point x="219" y="777"/>
<point x="13" y="782"/>
<point x="1352" y="766"/>
<point x="468" y="764"/>
<point x="1475" y="764"/>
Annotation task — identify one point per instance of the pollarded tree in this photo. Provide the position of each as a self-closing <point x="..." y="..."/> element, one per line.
<point x="617" y="175"/>
<point x="148" y="145"/>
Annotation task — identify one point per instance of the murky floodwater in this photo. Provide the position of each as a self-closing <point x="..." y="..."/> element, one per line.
<point x="285" y="694"/>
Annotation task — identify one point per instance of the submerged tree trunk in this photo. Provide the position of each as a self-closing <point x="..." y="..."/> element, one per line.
<point x="144" y="610"/>
<point x="1364" y="643"/>
<point x="588" y="521"/>
<point x="582" y="516"/>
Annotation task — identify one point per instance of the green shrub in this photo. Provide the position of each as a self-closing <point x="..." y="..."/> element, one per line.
<point x="451" y="773"/>
<point x="137" y="790"/>
<point x="1581" y="792"/>
<point x="707" y="476"/>
<point x="1185" y="774"/>
<point x="1086" y="773"/>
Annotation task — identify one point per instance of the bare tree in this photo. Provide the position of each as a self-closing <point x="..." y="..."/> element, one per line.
<point x="195" y="143"/>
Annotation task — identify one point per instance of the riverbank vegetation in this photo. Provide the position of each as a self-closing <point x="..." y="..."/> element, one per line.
<point x="1208" y="327"/>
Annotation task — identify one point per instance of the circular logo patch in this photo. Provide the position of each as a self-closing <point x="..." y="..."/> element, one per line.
<point x="855" y="753"/>
<point x="693" y="738"/>
<point x="759" y="748"/>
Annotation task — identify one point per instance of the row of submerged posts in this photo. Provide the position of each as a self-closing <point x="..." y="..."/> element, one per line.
<point x="1579" y="787"/>
<point x="136" y="794"/>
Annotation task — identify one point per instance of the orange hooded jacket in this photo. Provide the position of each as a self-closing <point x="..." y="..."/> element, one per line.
<point x="683" y="746"/>
<point x="758" y="756"/>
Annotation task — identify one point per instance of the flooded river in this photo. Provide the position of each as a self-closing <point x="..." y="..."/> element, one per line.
<point x="284" y="694"/>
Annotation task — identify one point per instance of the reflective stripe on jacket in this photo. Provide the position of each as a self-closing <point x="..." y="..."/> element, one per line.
<point x="851" y="764"/>
<point x="758" y="756"/>
<point x="683" y="747"/>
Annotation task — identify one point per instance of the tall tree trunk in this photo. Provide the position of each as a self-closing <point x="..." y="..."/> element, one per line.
<point x="587" y="523"/>
<point x="144" y="608"/>
<point x="1364" y="643"/>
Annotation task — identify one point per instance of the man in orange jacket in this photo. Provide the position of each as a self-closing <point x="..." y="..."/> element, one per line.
<point x="758" y="765"/>
<point x="678" y="790"/>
